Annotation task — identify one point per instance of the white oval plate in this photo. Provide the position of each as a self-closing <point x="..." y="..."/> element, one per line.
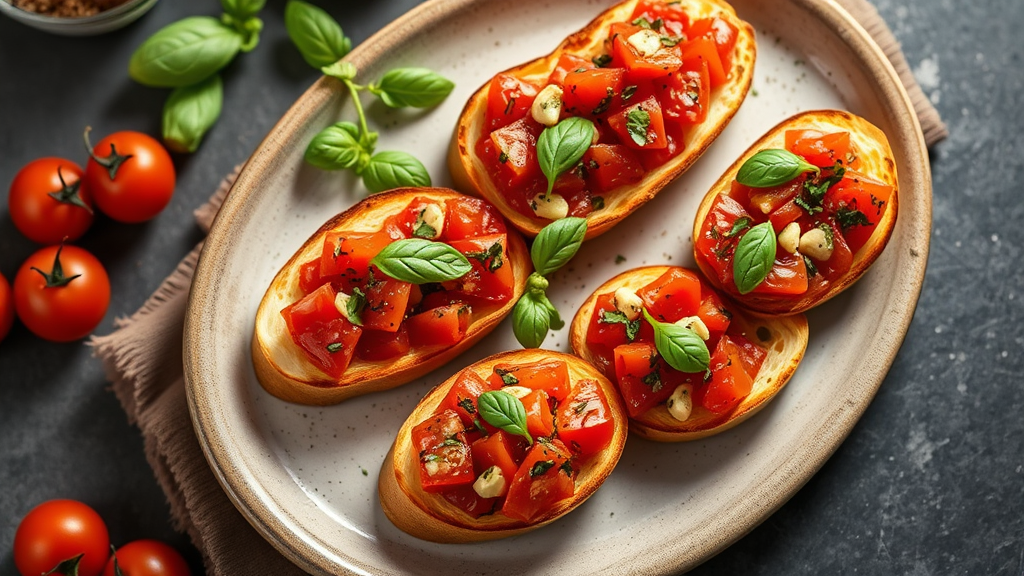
<point x="306" y="477"/>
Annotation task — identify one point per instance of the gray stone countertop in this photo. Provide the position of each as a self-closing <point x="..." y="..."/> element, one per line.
<point x="931" y="479"/>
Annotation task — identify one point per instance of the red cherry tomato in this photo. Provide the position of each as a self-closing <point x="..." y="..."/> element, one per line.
<point x="130" y="176"/>
<point x="6" y="307"/>
<point x="47" y="202"/>
<point x="147" y="558"/>
<point x="61" y="293"/>
<point x="59" y="530"/>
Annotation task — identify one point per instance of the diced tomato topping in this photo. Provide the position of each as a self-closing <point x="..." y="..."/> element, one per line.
<point x="491" y="278"/>
<point x="655" y="158"/>
<point x="471" y="217"/>
<point x="630" y="121"/>
<point x="544" y="479"/>
<point x="713" y="313"/>
<point x="348" y="254"/>
<point x="590" y="92"/>
<point x="439" y="326"/>
<point x="853" y="196"/>
<point x="516" y="147"/>
<point x="714" y="245"/>
<point x="638" y="377"/>
<point x="751" y="354"/>
<point x="466" y="498"/>
<point x="767" y="200"/>
<point x="706" y="50"/>
<point x="551" y="376"/>
<point x="672" y="296"/>
<point x="822" y="150"/>
<point x="842" y="257"/>
<point x="674" y="20"/>
<point x="443" y="298"/>
<point x="601" y="331"/>
<point x="463" y="396"/>
<point x="444" y="456"/>
<point x="610" y="166"/>
<point x="386" y="303"/>
<point x="508" y="99"/>
<point x="730" y="382"/>
<point x="783" y="215"/>
<point x="406" y="219"/>
<point x="310" y="278"/>
<point x="500" y="449"/>
<point x="568" y="63"/>
<point x="377" y="345"/>
<point x="640" y="65"/>
<point x="787" y="276"/>
<point x="584" y="420"/>
<point x="540" y="421"/>
<point x="722" y="33"/>
<point x="686" y="94"/>
<point x="316" y="326"/>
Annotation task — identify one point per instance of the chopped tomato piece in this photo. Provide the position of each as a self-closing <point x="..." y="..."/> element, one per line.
<point x="440" y="326"/>
<point x="787" y="276"/>
<point x="686" y="94"/>
<point x="491" y="278"/>
<point x="842" y="257"/>
<point x="442" y="298"/>
<point x="310" y="278"/>
<point x="376" y="345"/>
<point x="672" y="296"/>
<point x="540" y="421"/>
<point x="544" y="479"/>
<point x="642" y="65"/>
<point x="348" y="254"/>
<point x="590" y="92"/>
<point x="386" y="303"/>
<point x="637" y="359"/>
<point x="714" y="314"/>
<point x="500" y="449"/>
<point x="610" y="166"/>
<point x="730" y="383"/>
<point x="722" y="33"/>
<point x="822" y="150"/>
<point x="643" y="119"/>
<point x="584" y="420"/>
<point x="655" y="158"/>
<point x="470" y="217"/>
<point x="316" y="326"/>
<point x="406" y="219"/>
<point x="568" y="63"/>
<point x="751" y="354"/>
<point x="783" y="215"/>
<point x="601" y="331"/>
<point x="638" y="377"/>
<point x="444" y="456"/>
<point x="551" y="376"/>
<point x="508" y="99"/>
<point x="674" y="19"/>
<point x="857" y="203"/>
<point x="767" y="200"/>
<point x="516" y="145"/>
<point x="466" y="498"/>
<point x="715" y="246"/>
<point x="463" y="396"/>
<point x="705" y="49"/>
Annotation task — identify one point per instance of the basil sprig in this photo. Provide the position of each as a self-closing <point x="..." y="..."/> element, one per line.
<point x="772" y="167"/>
<point x="505" y="411"/>
<point x="318" y="37"/>
<point x="754" y="257"/>
<point x="561" y="146"/>
<point x="186" y="55"/>
<point x="681" y="348"/>
<point x="190" y="111"/>
<point x="534" y="314"/>
<point x="420" y="261"/>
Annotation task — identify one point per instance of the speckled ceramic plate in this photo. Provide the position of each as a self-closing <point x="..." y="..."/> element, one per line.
<point x="306" y="477"/>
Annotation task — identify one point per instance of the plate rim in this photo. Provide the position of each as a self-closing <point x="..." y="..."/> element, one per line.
<point x="798" y="468"/>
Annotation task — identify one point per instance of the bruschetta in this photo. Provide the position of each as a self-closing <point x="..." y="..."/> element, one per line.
<point x="748" y="357"/>
<point x="658" y="81"/>
<point x="817" y="194"/>
<point x="464" y="468"/>
<point x="333" y="325"/>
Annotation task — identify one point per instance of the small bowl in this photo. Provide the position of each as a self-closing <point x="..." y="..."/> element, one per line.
<point x="105" y="21"/>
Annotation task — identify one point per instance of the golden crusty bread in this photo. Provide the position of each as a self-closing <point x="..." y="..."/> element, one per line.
<point x="283" y="368"/>
<point x="469" y="172"/>
<point x="785" y="343"/>
<point x="431" y="517"/>
<point x="871" y="147"/>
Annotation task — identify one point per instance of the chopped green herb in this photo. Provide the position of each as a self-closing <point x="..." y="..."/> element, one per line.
<point x="431" y="458"/>
<point x="605" y="102"/>
<point x="467" y="405"/>
<point x="653" y="380"/>
<point x="628" y="92"/>
<point x="494" y="254"/>
<point x="508" y="107"/>
<point x="637" y="123"/>
<point x="602" y="60"/>
<point x="579" y="408"/>
<point x="365" y="473"/>
<point x="567" y="468"/>
<point x="738" y="226"/>
<point x="847" y="218"/>
<point x="670" y="41"/>
<point x="812" y="270"/>
<point x="507" y="378"/>
<point x="503" y="157"/>
<point x="616" y="317"/>
<point x="334" y="347"/>
<point x="596" y="202"/>
<point x="541" y="467"/>
<point x="619" y="258"/>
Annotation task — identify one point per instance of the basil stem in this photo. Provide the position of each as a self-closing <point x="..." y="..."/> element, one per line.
<point x="505" y="411"/>
<point x="772" y="167"/>
<point x="190" y="111"/>
<point x="754" y="257"/>
<point x="318" y="37"/>
<point x="561" y="146"/>
<point x="681" y="348"/>
<point x="392" y="169"/>
<point x="412" y="87"/>
<point x="420" y="261"/>
<point x="337" y="147"/>
<point x="242" y="9"/>
<point x="557" y="243"/>
<point x="184" y="53"/>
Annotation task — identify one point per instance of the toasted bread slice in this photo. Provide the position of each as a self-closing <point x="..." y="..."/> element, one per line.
<point x="283" y="368"/>
<point x="469" y="171"/>
<point x="785" y="339"/>
<point x="431" y="517"/>
<point x="872" y="149"/>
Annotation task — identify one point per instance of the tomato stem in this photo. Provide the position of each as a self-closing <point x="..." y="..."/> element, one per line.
<point x="56" y="277"/>
<point x="69" y="194"/>
<point x="111" y="162"/>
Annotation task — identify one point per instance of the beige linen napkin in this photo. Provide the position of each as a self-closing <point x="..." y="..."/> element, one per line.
<point x="143" y="359"/>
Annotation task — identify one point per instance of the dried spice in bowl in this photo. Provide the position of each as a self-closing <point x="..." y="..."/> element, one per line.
<point x="66" y="8"/>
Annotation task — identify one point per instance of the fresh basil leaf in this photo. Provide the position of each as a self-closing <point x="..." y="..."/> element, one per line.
<point x="754" y="257"/>
<point x="637" y="123"/>
<point x="387" y="170"/>
<point x="184" y="53"/>
<point x="616" y="317"/>
<point x="554" y="318"/>
<point x="557" y="243"/>
<point x="505" y="411"/>
<point x="337" y="147"/>
<point x="317" y="36"/>
<point x="190" y="111"/>
<point x="414" y="87"/>
<point x="772" y="167"/>
<point x="741" y="224"/>
<point x="242" y="9"/>
<point x="541" y="467"/>
<point x="531" y="320"/>
<point x="340" y="70"/>
<point x="681" y="348"/>
<point x="420" y="261"/>
<point x="354" y="307"/>
<point x="561" y="146"/>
